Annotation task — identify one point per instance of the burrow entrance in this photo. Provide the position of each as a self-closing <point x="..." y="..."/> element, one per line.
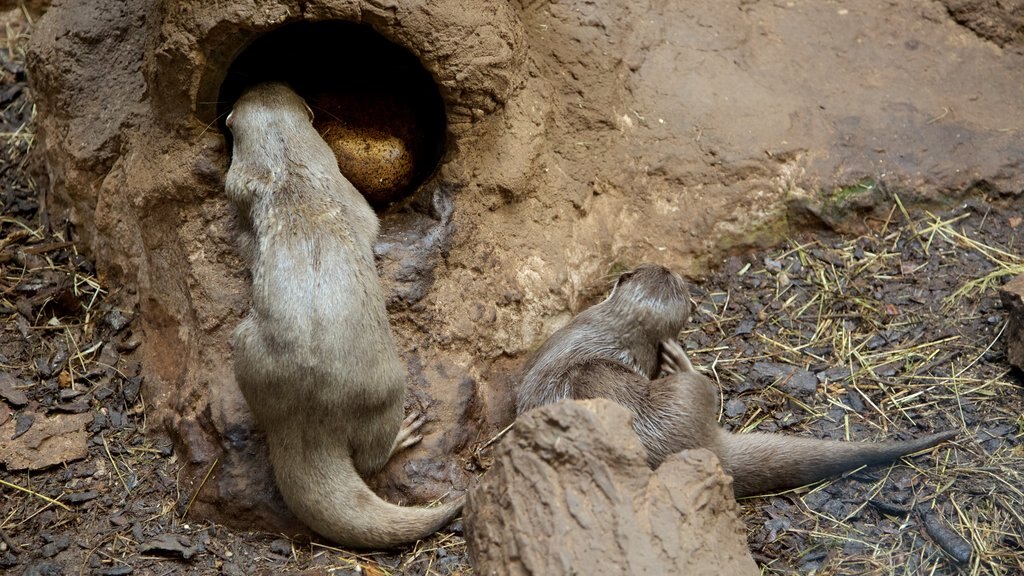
<point x="372" y="100"/>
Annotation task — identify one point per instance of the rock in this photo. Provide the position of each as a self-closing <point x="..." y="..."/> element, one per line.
<point x="570" y="493"/>
<point x="115" y="571"/>
<point x="50" y="441"/>
<point x="1012" y="294"/>
<point x="9" y="391"/>
<point x="281" y="547"/>
<point x="43" y="568"/>
<point x="53" y="547"/>
<point x="117" y="319"/>
<point x="579" y="137"/>
<point x="735" y="407"/>
<point x="789" y="378"/>
<point x="23" y="422"/>
<point x="168" y="545"/>
<point x="1000" y="22"/>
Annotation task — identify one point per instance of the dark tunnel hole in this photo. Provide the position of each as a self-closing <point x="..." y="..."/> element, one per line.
<point x="372" y="100"/>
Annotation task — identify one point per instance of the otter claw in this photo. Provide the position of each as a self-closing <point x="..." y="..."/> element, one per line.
<point x="408" y="432"/>
<point x="674" y="358"/>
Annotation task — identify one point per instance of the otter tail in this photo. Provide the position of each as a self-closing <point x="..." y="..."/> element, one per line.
<point x="330" y="496"/>
<point x="761" y="463"/>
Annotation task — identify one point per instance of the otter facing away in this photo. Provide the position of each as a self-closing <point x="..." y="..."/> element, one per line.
<point x="615" y="350"/>
<point x="315" y="357"/>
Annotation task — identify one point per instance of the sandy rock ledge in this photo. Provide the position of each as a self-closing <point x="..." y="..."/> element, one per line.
<point x="570" y="493"/>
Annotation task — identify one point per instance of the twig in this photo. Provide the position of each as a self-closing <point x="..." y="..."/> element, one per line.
<point x="199" y="488"/>
<point x="36" y="494"/>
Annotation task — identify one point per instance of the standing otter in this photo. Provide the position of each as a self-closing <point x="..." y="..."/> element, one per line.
<point x="611" y="350"/>
<point x="315" y="358"/>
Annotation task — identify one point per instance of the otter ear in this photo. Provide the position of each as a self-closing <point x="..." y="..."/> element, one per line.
<point x="309" y="111"/>
<point x="230" y="119"/>
<point x="625" y="276"/>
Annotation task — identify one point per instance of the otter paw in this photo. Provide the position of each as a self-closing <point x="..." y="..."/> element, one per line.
<point x="673" y="358"/>
<point x="408" y="434"/>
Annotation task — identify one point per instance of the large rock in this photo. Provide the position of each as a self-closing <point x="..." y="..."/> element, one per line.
<point x="581" y="137"/>
<point x="570" y="493"/>
<point x="999" y="22"/>
<point x="1012" y="294"/>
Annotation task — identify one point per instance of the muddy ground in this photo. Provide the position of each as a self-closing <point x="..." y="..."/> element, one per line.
<point x="893" y="332"/>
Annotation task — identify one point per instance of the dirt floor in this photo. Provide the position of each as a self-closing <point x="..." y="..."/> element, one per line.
<point x="891" y="333"/>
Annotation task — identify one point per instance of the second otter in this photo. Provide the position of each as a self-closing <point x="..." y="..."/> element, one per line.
<point x="315" y="358"/>
<point x="614" y="350"/>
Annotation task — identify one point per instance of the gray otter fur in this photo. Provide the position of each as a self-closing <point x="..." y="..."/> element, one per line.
<point x="315" y="358"/>
<point x="612" y="350"/>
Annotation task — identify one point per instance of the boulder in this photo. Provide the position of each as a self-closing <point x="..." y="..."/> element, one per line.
<point x="570" y="493"/>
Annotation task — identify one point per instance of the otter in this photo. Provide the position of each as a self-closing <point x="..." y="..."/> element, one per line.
<point x="616" y="349"/>
<point x="315" y="358"/>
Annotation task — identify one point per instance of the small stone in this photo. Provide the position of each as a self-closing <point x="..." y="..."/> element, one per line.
<point x="9" y="391"/>
<point x="745" y="327"/>
<point x="79" y="497"/>
<point x="834" y="374"/>
<point x="281" y="547"/>
<point x="55" y="547"/>
<point x="22" y="423"/>
<point x="130" y="389"/>
<point x="67" y="394"/>
<point x="789" y="378"/>
<point x="783" y="279"/>
<point x="735" y="407"/>
<point x="43" y="569"/>
<point x="115" y="571"/>
<point x="168" y="545"/>
<point x="117" y="320"/>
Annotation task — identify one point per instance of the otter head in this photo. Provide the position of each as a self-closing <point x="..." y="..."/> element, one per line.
<point x="261" y="122"/>
<point x="262" y="105"/>
<point x="652" y="298"/>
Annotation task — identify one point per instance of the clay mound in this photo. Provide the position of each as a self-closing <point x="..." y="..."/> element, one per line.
<point x="571" y="493"/>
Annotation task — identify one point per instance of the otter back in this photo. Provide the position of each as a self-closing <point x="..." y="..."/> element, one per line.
<point x="315" y="358"/>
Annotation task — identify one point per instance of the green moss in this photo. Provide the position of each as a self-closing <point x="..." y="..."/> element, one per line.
<point x="766" y="232"/>
<point x="846" y="193"/>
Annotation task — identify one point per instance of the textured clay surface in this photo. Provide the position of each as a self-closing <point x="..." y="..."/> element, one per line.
<point x="581" y="138"/>
<point x="570" y="493"/>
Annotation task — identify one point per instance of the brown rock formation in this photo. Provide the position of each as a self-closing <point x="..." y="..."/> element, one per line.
<point x="571" y="493"/>
<point x="999" y="22"/>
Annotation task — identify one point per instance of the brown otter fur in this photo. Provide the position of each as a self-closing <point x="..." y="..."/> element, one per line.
<point x="315" y="357"/>
<point x="612" y="350"/>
